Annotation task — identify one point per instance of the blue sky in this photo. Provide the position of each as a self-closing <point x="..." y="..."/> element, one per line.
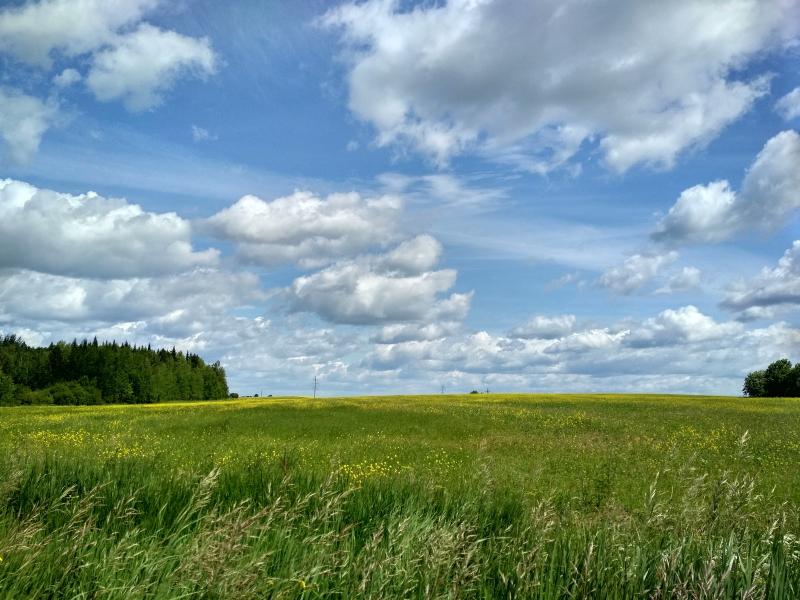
<point x="396" y="196"/>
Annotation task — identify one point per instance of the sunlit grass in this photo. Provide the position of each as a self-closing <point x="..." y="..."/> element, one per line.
<point x="504" y="496"/>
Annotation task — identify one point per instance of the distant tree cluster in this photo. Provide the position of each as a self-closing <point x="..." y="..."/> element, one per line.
<point x="92" y="373"/>
<point x="779" y="380"/>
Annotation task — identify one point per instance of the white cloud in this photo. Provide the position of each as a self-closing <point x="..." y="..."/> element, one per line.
<point x="91" y="236"/>
<point x="66" y="78"/>
<point x="177" y="304"/>
<point x="139" y="67"/>
<point x="789" y="105"/>
<point x="680" y="350"/>
<point x="545" y="327"/>
<point x="635" y="271"/>
<point x="443" y="189"/>
<point x="306" y="229"/>
<point x="770" y="193"/>
<point x="200" y="134"/>
<point x="34" y="30"/>
<point x="23" y="121"/>
<point x="564" y="280"/>
<point x="413" y="256"/>
<point x="130" y="60"/>
<point x="684" y="280"/>
<point x="771" y="289"/>
<point x="507" y="79"/>
<point x="702" y="213"/>
<point x="406" y="332"/>
<point x="396" y="287"/>
<point x="684" y="325"/>
<point x="588" y="340"/>
<point x="697" y="120"/>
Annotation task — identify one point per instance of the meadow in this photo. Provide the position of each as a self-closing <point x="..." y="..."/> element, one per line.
<point x="477" y="496"/>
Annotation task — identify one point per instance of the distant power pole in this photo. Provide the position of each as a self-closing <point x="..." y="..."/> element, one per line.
<point x="442" y="388"/>
<point x="315" y="386"/>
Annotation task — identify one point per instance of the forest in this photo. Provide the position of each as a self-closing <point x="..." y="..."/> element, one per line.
<point x="94" y="373"/>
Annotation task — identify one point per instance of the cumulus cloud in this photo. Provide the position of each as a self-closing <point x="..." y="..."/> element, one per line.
<point x="185" y="302"/>
<point x="677" y="350"/>
<point x="789" y="105"/>
<point x="588" y="340"/>
<point x="91" y="236"/>
<point x="23" y="121"/>
<point x="635" y="271"/>
<point x="305" y="229"/>
<point x="688" y="278"/>
<point x="34" y="30"/>
<point x="396" y="287"/>
<point x="406" y="332"/>
<point x="66" y="78"/>
<point x="770" y="193"/>
<point x="507" y="79"/>
<point x="545" y="327"/>
<point x="772" y="288"/>
<point x="684" y="325"/>
<point x="139" y="67"/>
<point x="129" y="60"/>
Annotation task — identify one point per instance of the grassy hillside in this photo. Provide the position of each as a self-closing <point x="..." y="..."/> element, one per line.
<point x="425" y="496"/>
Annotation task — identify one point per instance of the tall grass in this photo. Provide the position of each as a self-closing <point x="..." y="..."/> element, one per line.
<point x="496" y="497"/>
<point x="131" y="530"/>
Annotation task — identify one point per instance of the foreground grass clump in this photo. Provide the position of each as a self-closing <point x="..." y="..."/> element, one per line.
<point x="494" y="497"/>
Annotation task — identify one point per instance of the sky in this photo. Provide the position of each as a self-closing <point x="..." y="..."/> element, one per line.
<point x="408" y="197"/>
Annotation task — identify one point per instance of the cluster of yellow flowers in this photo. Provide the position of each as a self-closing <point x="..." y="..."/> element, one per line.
<point x="359" y="472"/>
<point x="103" y="445"/>
<point x="689" y="438"/>
<point x="47" y="439"/>
<point x="134" y="450"/>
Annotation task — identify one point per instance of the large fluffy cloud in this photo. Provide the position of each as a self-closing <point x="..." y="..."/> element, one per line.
<point x="635" y="271"/>
<point x="23" y="121"/>
<point x="306" y="229"/>
<point x="34" y="30"/>
<point x="507" y="77"/>
<point x="195" y="296"/>
<point x="140" y="66"/>
<point x="681" y="326"/>
<point x="770" y="193"/>
<point x="91" y="236"/>
<point x="772" y="288"/>
<point x="399" y="286"/>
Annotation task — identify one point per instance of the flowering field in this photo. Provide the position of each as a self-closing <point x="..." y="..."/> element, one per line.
<point x="425" y="496"/>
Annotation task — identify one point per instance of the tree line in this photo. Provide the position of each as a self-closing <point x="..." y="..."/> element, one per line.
<point x="93" y="373"/>
<point x="779" y="380"/>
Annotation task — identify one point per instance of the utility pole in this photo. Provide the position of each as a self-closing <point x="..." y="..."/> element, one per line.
<point x="442" y="388"/>
<point x="315" y="386"/>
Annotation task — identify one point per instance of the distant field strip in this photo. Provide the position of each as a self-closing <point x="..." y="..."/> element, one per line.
<point x="478" y="496"/>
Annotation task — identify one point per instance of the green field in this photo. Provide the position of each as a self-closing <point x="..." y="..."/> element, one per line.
<point x="480" y="496"/>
